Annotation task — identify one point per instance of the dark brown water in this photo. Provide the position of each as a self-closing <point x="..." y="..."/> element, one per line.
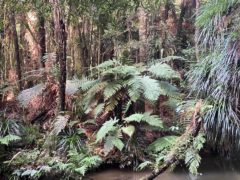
<point x="211" y="169"/>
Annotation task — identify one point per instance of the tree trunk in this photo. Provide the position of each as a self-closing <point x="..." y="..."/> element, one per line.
<point x="197" y="32"/>
<point x="60" y="39"/>
<point x="16" y="50"/>
<point x="143" y="51"/>
<point x="42" y="38"/>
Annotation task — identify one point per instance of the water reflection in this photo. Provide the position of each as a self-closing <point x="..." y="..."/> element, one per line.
<point x="212" y="168"/>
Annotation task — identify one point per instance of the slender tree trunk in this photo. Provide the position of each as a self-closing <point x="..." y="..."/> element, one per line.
<point x="60" y="39"/>
<point x="197" y="32"/>
<point x="42" y="37"/>
<point x="16" y="50"/>
<point x="142" y="16"/>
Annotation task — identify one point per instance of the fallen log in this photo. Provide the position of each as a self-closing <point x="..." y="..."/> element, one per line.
<point x="172" y="157"/>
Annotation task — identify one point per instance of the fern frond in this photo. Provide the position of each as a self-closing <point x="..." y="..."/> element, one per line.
<point x="162" y="143"/>
<point x="84" y="84"/>
<point x="150" y="88"/>
<point x="163" y="71"/>
<point x="167" y="89"/>
<point x="152" y="120"/>
<point x="59" y="124"/>
<point x="111" y="142"/>
<point x="111" y="89"/>
<point x="144" y="165"/>
<point x="192" y="160"/>
<point x="9" y="138"/>
<point x="134" y="88"/>
<point x="99" y="109"/>
<point x="106" y="65"/>
<point x="106" y="128"/>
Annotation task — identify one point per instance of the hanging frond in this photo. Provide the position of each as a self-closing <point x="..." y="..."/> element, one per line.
<point x="83" y="84"/>
<point x="134" y="88"/>
<point x="111" y="89"/>
<point x="167" y="89"/>
<point x="8" y="139"/>
<point x="162" y="143"/>
<point x="150" y="88"/>
<point x="163" y="71"/>
<point x="152" y="120"/>
<point x="59" y="124"/>
<point x="105" y="129"/>
<point x="111" y="142"/>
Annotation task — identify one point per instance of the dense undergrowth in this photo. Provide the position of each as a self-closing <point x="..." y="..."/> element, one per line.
<point x="104" y="125"/>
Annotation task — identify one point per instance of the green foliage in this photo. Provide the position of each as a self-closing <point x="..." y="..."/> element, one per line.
<point x="9" y="138"/>
<point x="111" y="133"/>
<point x="162" y="143"/>
<point x="144" y="165"/>
<point x="107" y="127"/>
<point x="192" y="157"/>
<point x="113" y="82"/>
<point x="129" y="130"/>
<point x="150" y="88"/>
<point x="59" y="125"/>
<point x="215" y="78"/>
<point x="78" y="162"/>
<point x="192" y="160"/>
<point x="31" y="173"/>
<point x="152" y="120"/>
<point x="163" y="71"/>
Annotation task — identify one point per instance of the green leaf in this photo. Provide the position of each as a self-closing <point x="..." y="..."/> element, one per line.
<point x="82" y="170"/>
<point x="144" y="165"/>
<point x="162" y="143"/>
<point x="106" y="128"/>
<point x="129" y="130"/>
<point x="118" y="144"/>
<point x="108" y="145"/>
<point x="134" y="117"/>
<point x="9" y="138"/>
